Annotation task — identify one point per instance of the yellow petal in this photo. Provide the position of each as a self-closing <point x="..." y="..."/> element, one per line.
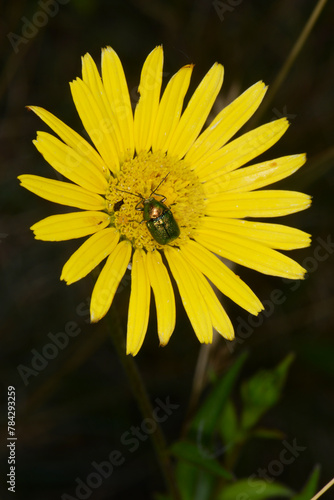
<point x="226" y="123"/>
<point x="255" y="176"/>
<point x="62" y="192"/>
<point x="170" y="108"/>
<point x="139" y="306"/>
<point x="147" y="107"/>
<point x="71" y="164"/>
<point x="70" y="226"/>
<point x="266" y="203"/>
<point x="118" y="95"/>
<point x="187" y="280"/>
<point x="72" y="139"/>
<point x="97" y="123"/>
<point x="163" y="294"/>
<point x="250" y="254"/>
<point x="89" y="255"/>
<point x="92" y="79"/>
<point x="220" y="320"/>
<point x="242" y="150"/>
<point x="108" y="280"/>
<point x="197" y="111"/>
<point x="221" y="276"/>
<point x="271" y="235"/>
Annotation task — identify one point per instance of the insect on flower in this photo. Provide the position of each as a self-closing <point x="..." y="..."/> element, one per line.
<point x="158" y="217"/>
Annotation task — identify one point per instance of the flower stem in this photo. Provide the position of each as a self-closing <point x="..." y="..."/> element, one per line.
<point x="139" y="392"/>
<point x="324" y="489"/>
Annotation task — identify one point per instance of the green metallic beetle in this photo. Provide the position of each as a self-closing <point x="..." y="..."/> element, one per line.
<point x="158" y="217"/>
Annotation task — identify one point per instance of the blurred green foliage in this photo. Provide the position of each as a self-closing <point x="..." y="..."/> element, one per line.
<point x="205" y="473"/>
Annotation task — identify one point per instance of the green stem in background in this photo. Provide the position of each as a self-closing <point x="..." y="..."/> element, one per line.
<point x="139" y="391"/>
<point x="291" y="58"/>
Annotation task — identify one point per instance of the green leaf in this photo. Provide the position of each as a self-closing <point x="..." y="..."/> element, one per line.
<point x="194" y="484"/>
<point x="209" y="413"/>
<point x="263" y="391"/>
<point x="192" y="454"/>
<point x="253" y="489"/>
<point x="311" y="486"/>
<point x="229" y="428"/>
<point x="268" y="433"/>
<point x="186" y="477"/>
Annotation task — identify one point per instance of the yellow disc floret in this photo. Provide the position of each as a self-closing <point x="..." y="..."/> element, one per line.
<point x="137" y="179"/>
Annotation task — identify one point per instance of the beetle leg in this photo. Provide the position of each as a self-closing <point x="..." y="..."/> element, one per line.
<point x="137" y="206"/>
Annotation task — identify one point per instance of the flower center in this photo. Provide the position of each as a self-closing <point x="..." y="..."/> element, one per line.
<point x="161" y="179"/>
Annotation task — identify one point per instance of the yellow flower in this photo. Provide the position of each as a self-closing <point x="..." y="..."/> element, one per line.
<point x="158" y="155"/>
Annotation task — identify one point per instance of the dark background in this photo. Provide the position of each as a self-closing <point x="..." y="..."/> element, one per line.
<point x="74" y="410"/>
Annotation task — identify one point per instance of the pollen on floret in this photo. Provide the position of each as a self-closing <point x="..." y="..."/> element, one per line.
<point x="137" y="179"/>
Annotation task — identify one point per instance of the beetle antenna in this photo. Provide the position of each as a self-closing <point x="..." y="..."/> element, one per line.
<point x="163" y="180"/>
<point x="128" y="192"/>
